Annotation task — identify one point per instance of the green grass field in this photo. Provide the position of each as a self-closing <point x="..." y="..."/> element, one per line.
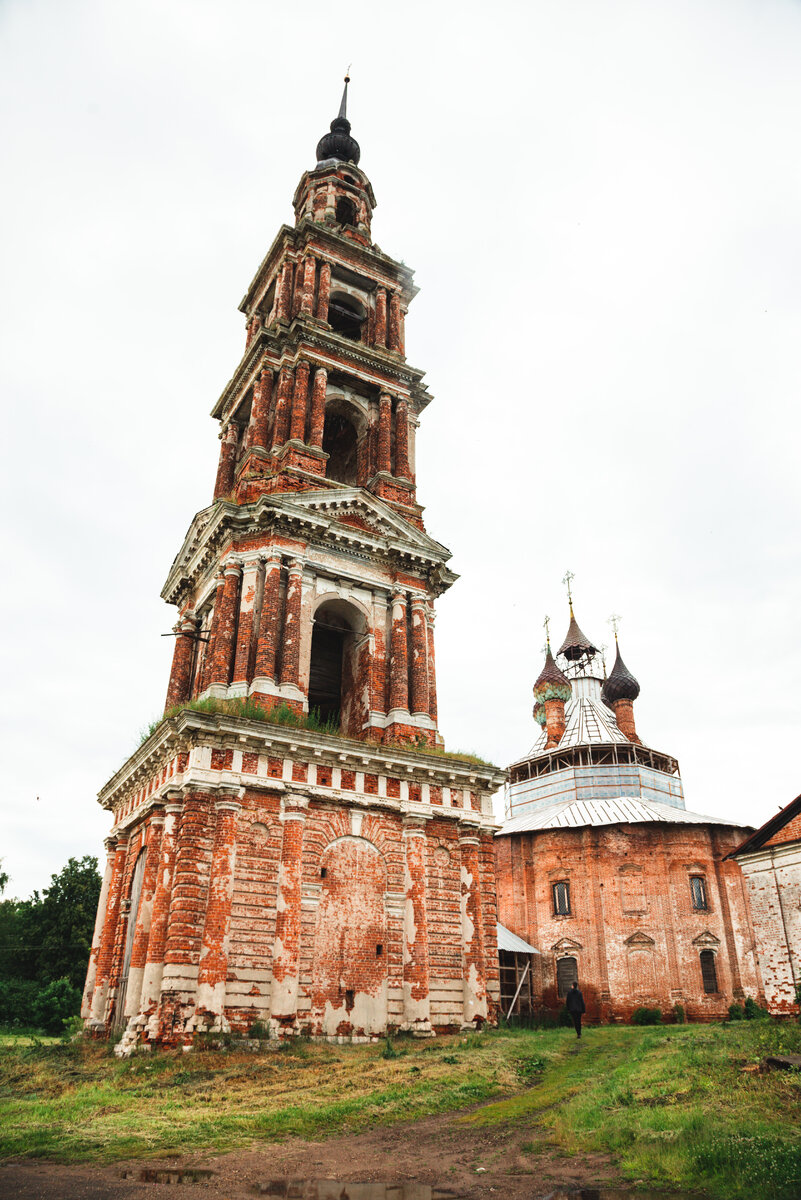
<point x="671" y="1104"/>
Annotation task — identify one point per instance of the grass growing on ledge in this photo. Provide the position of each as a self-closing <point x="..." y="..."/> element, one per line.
<point x="282" y="714"/>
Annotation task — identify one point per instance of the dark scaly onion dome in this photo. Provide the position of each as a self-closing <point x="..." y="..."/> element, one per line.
<point x="551" y="685"/>
<point x="338" y="144"/>
<point x="576" y="644"/>
<point x="621" y="684"/>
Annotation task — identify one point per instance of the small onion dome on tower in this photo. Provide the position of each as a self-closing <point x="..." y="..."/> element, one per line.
<point x="621" y="684"/>
<point x="551" y="692"/>
<point x="619" y="692"/>
<point x="338" y="144"/>
<point x="576" y="644"/>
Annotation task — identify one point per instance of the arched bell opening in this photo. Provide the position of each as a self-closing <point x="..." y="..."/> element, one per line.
<point x="339" y="666"/>
<point x="346" y="315"/>
<point x="343" y="441"/>
<point x="346" y="211"/>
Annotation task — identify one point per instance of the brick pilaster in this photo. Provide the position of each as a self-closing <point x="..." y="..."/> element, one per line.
<point x="108" y="938"/>
<point x="300" y="398"/>
<point x="324" y="292"/>
<point x="180" y="684"/>
<point x="432" y="672"/>
<point x="290" y="662"/>
<point x="286" y="950"/>
<point x="317" y="418"/>
<point x="244" y="633"/>
<point x="144" y="916"/>
<point x="416" y="1002"/>
<point x="188" y="901"/>
<point x="208" y="658"/>
<point x="419" y="672"/>
<point x="402" y="438"/>
<point x="473" y="962"/>
<point x="284" y="305"/>
<point x="297" y="289"/>
<point x="260" y="410"/>
<point x="213" y="966"/>
<point x="385" y="433"/>
<point x="227" y="464"/>
<point x="224" y="622"/>
<point x="393" y="332"/>
<point x="269" y="621"/>
<point x="154" y="959"/>
<point x="398" y="655"/>
<point x="309" y="280"/>
<point x="282" y="407"/>
<point x="381" y="317"/>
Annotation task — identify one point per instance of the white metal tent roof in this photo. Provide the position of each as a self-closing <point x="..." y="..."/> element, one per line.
<point x="510" y="941"/>
<point x="622" y="810"/>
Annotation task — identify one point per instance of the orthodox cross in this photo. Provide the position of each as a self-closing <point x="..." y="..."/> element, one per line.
<point x="614" y="621"/>
<point x="568" y="579"/>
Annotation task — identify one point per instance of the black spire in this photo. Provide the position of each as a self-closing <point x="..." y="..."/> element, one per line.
<point x="576" y="643"/>
<point x="338" y="144"/>
<point x="621" y="684"/>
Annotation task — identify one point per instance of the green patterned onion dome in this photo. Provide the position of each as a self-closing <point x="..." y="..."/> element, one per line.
<point x="551" y="685"/>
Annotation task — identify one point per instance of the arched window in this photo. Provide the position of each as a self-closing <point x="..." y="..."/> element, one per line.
<point x="708" y="973"/>
<point x="346" y="211"/>
<point x="337" y="665"/>
<point x="561" y="899"/>
<point x="346" y="316"/>
<point x="698" y="892"/>
<point x="340" y="443"/>
<point x="566" y="976"/>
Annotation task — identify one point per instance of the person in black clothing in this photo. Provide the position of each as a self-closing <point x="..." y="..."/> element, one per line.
<point x="574" y="1002"/>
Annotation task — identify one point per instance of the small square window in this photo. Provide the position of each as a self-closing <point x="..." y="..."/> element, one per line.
<point x="561" y="899"/>
<point x="698" y="892"/>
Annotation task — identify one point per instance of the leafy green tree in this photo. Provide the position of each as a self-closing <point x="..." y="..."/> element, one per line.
<point x="65" y="920"/>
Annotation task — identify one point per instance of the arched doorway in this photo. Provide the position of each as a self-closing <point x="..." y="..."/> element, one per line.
<point x="338" y="667"/>
<point x="349" y="974"/>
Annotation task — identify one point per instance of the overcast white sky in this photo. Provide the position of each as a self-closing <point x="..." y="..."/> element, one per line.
<point x="601" y="201"/>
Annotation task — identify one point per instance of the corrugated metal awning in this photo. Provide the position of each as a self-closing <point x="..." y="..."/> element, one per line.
<point x="510" y="941"/>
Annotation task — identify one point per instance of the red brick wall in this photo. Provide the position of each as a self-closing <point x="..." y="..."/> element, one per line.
<point x="632" y="926"/>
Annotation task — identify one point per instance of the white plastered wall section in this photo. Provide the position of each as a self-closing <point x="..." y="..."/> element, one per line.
<point x="773" y="879"/>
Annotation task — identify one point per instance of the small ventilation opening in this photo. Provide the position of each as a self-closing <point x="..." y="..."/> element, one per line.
<point x="350" y="1000"/>
<point x="323" y="872"/>
<point x="379" y="950"/>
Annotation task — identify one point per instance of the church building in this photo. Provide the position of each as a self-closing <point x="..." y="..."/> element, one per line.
<point x="604" y="871"/>
<point x="291" y="845"/>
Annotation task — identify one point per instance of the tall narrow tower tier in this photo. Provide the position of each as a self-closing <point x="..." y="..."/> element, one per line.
<point x="291" y="845"/>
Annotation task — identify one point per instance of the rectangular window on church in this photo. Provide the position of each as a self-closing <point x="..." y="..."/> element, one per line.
<point x="698" y="892"/>
<point x="561" y="899"/>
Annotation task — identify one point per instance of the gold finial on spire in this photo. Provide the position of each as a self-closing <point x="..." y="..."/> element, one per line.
<point x="603" y="657"/>
<point x="614" y="621"/>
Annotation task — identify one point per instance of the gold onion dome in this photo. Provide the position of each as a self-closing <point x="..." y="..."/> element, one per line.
<point x="576" y="644"/>
<point x="551" y="685"/>
<point x="621" y="684"/>
<point x="338" y="144"/>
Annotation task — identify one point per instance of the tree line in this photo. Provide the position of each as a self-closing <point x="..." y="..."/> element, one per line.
<point x="44" y="948"/>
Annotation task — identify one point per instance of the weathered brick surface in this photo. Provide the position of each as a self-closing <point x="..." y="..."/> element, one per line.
<point x="632" y="927"/>
<point x="338" y="886"/>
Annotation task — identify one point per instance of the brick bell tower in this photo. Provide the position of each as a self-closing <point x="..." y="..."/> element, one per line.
<point x="287" y="846"/>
